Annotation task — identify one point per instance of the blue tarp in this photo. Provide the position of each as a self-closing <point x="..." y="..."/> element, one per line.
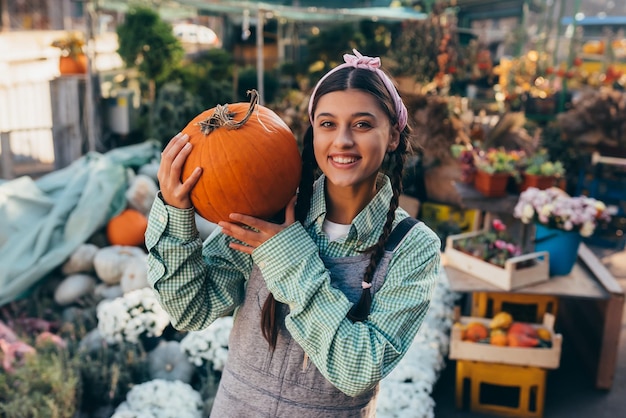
<point x="43" y="221"/>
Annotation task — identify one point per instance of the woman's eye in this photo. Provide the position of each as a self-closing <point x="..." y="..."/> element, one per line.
<point x="362" y="125"/>
<point x="326" y="124"/>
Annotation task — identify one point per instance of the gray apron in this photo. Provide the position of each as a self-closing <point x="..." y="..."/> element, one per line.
<point x="258" y="382"/>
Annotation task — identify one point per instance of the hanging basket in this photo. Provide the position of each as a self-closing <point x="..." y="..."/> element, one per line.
<point x="491" y="185"/>
<point x="69" y="65"/>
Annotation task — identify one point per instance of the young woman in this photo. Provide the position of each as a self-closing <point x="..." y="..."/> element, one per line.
<point x="329" y="301"/>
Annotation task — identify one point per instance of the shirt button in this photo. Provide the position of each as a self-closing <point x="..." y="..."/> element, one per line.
<point x="262" y="264"/>
<point x="162" y="219"/>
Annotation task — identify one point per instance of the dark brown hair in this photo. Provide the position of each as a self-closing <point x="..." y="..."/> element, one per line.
<point x="369" y="82"/>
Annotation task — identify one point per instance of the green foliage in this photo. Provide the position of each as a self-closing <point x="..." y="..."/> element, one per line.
<point x="208" y="76"/>
<point x="148" y="43"/>
<point x="173" y="109"/>
<point x="46" y="385"/>
<point x="108" y="373"/>
<point x="540" y="164"/>
<point x="248" y="80"/>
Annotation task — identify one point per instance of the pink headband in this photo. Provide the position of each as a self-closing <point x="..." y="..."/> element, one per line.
<point x="373" y="64"/>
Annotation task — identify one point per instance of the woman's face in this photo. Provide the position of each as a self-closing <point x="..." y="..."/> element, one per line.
<point x="351" y="134"/>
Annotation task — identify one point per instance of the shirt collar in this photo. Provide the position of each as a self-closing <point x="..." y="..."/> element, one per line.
<point x="367" y="225"/>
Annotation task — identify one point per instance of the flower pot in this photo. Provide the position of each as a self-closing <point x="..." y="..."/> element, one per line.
<point x="491" y="185"/>
<point x="73" y="65"/>
<point x="562" y="246"/>
<point x="538" y="181"/>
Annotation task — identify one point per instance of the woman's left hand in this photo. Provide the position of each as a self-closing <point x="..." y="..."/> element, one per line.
<point x="259" y="231"/>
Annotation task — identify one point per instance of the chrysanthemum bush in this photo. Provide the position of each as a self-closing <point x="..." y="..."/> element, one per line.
<point x="129" y="317"/>
<point x="554" y="208"/>
<point x="210" y="344"/>
<point x="161" y="399"/>
<point x="407" y="390"/>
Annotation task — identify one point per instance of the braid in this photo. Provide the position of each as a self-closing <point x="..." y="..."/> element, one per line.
<point x="360" y="310"/>
<point x="269" y="324"/>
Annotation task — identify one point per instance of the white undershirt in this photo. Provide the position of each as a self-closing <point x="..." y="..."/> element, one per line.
<point x="335" y="231"/>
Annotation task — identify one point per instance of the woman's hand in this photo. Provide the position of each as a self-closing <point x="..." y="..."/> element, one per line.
<point x="259" y="230"/>
<point x="176" y="193"/>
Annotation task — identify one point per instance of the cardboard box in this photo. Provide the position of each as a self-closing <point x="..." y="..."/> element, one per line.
<point x="547" y="358"/>
<point x="513" y="275"/>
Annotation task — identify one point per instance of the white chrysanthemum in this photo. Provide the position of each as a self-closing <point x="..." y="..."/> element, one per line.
<point x="406" y="391"/>
<point x="210" y="344"/>
<point x="161" y="399"/>
<point x="129" y="316"/>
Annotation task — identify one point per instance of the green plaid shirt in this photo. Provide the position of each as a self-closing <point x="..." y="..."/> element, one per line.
<point x="197" y="283"/>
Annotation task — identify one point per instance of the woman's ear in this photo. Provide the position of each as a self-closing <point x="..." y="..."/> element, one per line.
<point x="394" y="140"/>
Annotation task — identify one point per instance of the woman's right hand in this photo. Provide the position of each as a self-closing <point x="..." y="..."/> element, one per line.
<point x="174" y="192"/>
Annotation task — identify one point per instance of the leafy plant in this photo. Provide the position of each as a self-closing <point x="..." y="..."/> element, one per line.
<point x="148" y="43"/>
<point x="539" y="164"/>
<point x="71" y="45"/>
<point x="46" y="385"/>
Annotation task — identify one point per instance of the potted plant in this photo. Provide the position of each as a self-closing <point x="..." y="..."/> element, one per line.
<point x="494" y="167"/>
<point x="560" y="222"/>
<point x="540" y="172"/>
<point x="464" y="154"/>
<point x="73" y="59"/>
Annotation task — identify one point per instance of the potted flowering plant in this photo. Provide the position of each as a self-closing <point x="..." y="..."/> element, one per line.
<point x="541" y="172"/>
<point x="494" y="167"/>
<point x="560" y="222"/>
<point x="73" y="59"/>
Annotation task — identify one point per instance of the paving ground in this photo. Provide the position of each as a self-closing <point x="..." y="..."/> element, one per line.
<point x="569" y="390"/>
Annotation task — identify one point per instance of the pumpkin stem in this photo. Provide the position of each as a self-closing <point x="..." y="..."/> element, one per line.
<point x="222" y="117"/>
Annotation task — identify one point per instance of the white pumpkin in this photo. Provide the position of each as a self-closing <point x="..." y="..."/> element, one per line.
<point x="108" y="292"/>
<point x="135" y="275"/>
<point x="111" y="261"/>
<point x="168" y="362"/>
<point x="141" y="193"/>
<point x="81" y="260"/>
<point x="74" y="287"/>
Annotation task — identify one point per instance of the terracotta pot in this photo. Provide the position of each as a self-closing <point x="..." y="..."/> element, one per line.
<point x="538" y="181"/>
<point x="73" y="65"/>
<point x="491" y="185"/>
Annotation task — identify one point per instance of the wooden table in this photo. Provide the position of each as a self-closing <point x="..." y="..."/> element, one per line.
<point x="591" y="303"/>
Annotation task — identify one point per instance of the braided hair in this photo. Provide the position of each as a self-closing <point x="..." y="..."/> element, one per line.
<point x="393" y="165"/>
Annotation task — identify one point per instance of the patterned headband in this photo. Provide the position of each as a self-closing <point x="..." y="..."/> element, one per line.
<point x="373" y="64"/>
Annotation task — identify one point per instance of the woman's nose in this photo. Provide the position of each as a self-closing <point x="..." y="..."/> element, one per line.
<point x="344" y="138"/>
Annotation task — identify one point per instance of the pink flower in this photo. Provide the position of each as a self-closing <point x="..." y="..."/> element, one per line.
<point x="498" y="225"/>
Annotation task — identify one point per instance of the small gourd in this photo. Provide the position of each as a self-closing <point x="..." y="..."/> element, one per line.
<point x="127" y="228"/>
<point x="168" y="362"/>
<point x="135" y="274"/>
<point x="249" y="157"/>
<point x="81" y="260"/>
<point x="110" y="262"/>
<point x="74" y="287"/>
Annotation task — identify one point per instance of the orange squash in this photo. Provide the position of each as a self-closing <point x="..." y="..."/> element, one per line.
<point x="127" y="228"/>
<point x="476" y="331"/>
<point x="250" y="160"/>
<point x="498" y="337"/>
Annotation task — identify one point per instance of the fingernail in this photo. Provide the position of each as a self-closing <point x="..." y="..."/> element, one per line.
<point x="185" y="136"/>
<point x="187" y="145"/>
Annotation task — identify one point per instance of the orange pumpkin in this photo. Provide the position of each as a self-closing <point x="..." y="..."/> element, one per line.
<point x="476" y="331"/>
<point x="250" y="160"/>
<point x="127" y="228"/>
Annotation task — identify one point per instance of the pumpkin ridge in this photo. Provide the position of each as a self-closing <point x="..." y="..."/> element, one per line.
<point x="239" y="178"/>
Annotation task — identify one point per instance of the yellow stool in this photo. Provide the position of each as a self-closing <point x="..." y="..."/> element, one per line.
<point x="523" y="307"/>
<point x="524" y="387"/>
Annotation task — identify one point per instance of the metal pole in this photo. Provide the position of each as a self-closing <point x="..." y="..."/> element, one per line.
<point x="6" y="156"/>
<point x="259" y="56"/>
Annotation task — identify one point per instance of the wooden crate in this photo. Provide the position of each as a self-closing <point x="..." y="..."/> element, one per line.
<point x="546" y="358"/>
<point x="511" y="276"/>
